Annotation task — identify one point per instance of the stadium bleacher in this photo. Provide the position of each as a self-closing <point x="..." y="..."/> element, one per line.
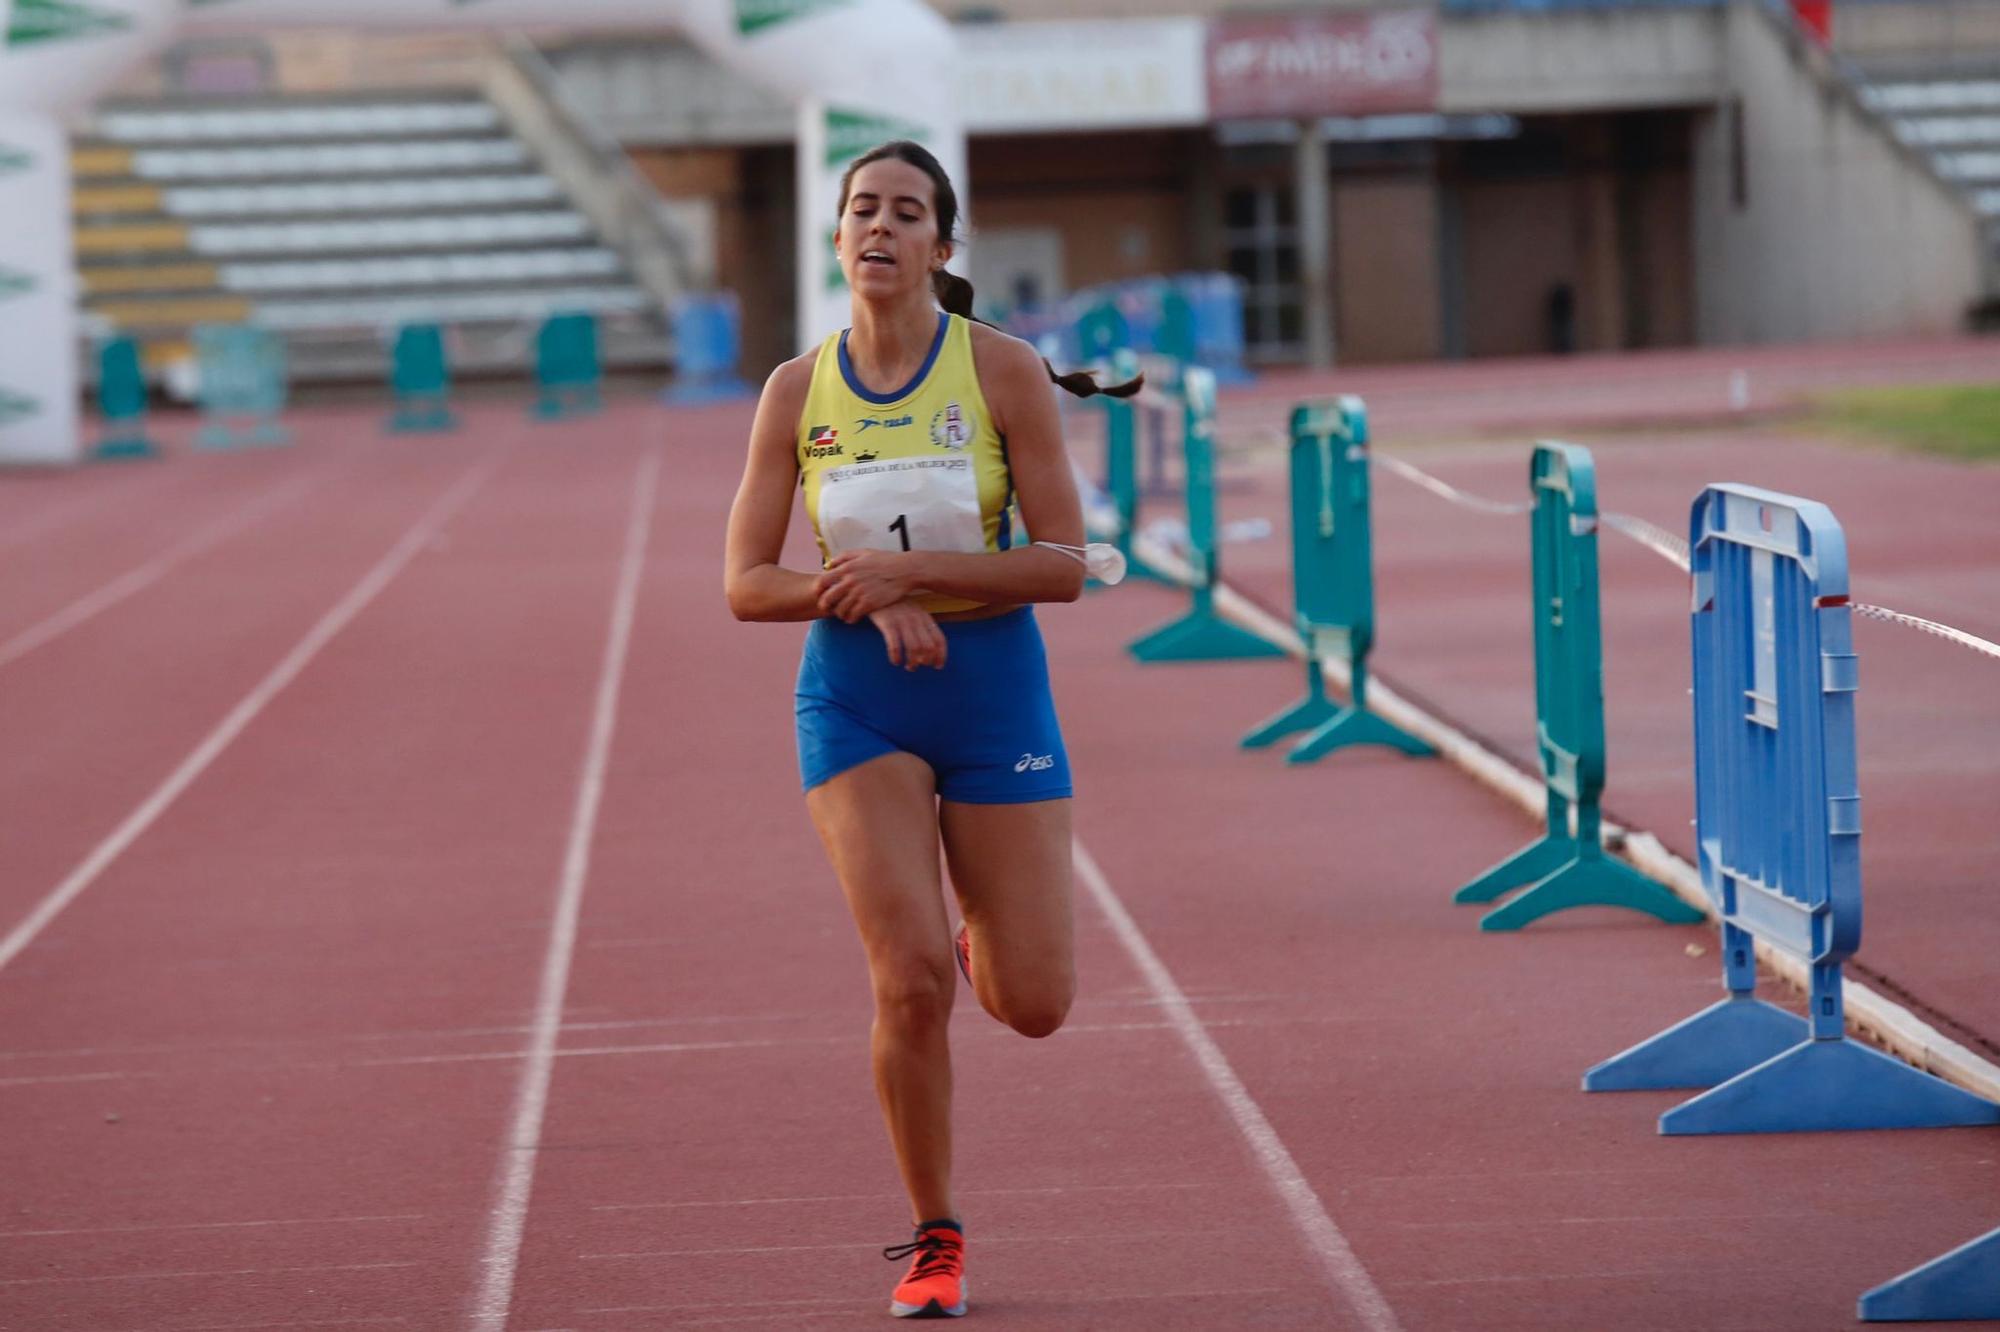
<point x="333" y="218"/>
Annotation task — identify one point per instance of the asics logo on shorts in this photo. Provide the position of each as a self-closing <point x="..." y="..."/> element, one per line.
<point x="1035" y="763"/>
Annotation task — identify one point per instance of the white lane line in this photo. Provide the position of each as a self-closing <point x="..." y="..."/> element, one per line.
<point x="1336" y="1256"/>
<point x="215" y="1225"/>
<point x="516" y="1175"/>
<point x="204" y="1272"/>
<point x="134" y="580"/>
<point x="243" y="714"/>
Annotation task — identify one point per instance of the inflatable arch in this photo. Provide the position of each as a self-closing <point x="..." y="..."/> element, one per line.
<point x="858" y="70"/>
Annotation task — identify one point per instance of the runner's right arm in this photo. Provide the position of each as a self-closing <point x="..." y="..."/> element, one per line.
<point x="757" y="586"/>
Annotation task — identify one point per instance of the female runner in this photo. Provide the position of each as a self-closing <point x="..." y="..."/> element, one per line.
<point x="923" y="702"/>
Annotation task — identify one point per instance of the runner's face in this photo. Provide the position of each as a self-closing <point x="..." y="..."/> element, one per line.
<point x="888" y="238"/>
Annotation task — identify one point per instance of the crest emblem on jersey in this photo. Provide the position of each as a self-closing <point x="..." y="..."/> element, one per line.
<point x="952" y="427"/>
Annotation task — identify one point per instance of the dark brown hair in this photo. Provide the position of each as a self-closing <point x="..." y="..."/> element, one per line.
<point x="953" y="292"/>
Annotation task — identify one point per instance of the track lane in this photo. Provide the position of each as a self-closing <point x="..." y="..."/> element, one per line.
<point x="730" y="1164"/>
<point x="326" y="949"/>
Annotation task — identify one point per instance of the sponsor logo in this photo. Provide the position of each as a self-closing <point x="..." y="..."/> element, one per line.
<point x="852" y="133"/>
<point x="757" y="15"/>
<point x="13" y="159"/>
<point x="1035" y="763"/>
<point x="952" y="427"/>
<point x="823" y="442"/>
<point x="55" y="20"/>
<point x="13" y="282"/>
<point x="890" y="423"/>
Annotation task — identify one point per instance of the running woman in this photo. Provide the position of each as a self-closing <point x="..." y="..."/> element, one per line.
<point x="923" y="706"/>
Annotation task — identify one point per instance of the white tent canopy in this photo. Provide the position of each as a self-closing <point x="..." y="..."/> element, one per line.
<point x="859" y="70"/>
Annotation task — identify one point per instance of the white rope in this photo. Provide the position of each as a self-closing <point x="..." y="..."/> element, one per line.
<point x="1444" y="490"/>
<point x="1675" y="549"/>
<point x="1672" y="548"/>
<point x="1958" y="636"/>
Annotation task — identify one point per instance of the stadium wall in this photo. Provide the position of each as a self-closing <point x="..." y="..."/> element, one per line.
<point x="1810" y="220"/>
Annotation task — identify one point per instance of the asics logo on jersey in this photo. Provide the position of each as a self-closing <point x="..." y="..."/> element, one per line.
<point x="1035" y="763"/>
<point x="889" y="423"/>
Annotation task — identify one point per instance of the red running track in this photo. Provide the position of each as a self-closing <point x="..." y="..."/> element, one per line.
<point x="268" y="1065"/>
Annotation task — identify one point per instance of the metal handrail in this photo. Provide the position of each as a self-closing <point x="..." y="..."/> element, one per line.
<point x="598" y="173"/>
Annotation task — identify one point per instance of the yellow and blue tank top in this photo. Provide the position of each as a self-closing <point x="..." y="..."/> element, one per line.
<point x="921" y="468"/>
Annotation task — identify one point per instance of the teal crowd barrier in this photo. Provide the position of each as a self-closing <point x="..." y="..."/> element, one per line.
<point x="1333" y="584"/>
<point x="1567" y="867"/>
<point x="569" y="377"/>
<point x="1778" y="828"/>
<point x="1121" y="473"/>
<point x="1201" y="634"/>
<point x="420" y="377"/>
<point x="121" y="402"/>
<point x="243" y="385"/>
<point x="1102" y="332"/>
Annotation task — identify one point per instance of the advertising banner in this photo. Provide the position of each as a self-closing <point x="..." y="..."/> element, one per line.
<point x="1352" y="63"/>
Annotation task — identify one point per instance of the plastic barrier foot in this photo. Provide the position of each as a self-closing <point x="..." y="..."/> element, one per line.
<point x="1351" y="726"/>
<point x="1829" y="1085"/>
<point x="1523" y="867"/>
<point x="419" y="418"/>
<point x="561" y="405"/>
<point x="125" y="446"/>
<point x="1200" y="636"/>
<point x="1307" y="715"/>
<point x="1712" y="1046"/>
<point x="1962" y="1284"/>
<point x="1592" y="880"/>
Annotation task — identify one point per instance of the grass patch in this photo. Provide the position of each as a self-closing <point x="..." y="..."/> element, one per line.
<point x="1957" y="420"/>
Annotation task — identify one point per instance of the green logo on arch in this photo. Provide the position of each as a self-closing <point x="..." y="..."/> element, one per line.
<point x="852" y="133"/>
<point x="60" y="20"/>
<point x="13" y="159"/>
<point x="757" y="15"/>
<point x="14" y="408"/>
<point x="13" y="282"/>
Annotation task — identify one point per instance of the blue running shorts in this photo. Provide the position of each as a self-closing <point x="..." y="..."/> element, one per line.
<point x="985" y="723"/>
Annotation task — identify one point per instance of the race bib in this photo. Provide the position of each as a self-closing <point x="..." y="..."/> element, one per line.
<point x="901" y="504"/>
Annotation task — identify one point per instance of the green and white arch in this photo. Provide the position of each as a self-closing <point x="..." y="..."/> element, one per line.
<point x="859" y="71"/>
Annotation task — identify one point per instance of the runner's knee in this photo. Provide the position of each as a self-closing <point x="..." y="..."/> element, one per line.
<point x="1039" y="1014"/>
<point x="915" y="994"/>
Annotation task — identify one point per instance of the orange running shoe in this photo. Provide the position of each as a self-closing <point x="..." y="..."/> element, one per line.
<point x="934" y="1287"/>
<point x="961" y="948"/>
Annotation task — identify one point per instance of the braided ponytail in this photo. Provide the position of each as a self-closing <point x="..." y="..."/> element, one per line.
<point x="954" y="296"/>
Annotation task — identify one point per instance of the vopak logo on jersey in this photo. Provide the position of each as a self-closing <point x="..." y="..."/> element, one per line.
<point x="952" y="427"/>
<point x="823" y="442"/>
<point x="866" y="423"/>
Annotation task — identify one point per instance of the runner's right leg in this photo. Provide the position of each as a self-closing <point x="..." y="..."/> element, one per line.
<point x="879" y="823"/>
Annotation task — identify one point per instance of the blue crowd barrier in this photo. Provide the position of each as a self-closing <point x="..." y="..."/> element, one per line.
<point x="708" y="350"/>
<point x="244" y="380"/>
<point x="1778" y="826"/>
<point x="1958" y="1286"/>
